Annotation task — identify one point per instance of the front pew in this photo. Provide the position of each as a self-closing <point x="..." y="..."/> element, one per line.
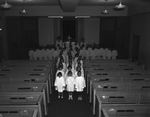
<point x="22" y="101"/>
<point x="128" y="110"/>
<point x="117" y="98"/>
<point x="32" y="89"/>
<point x="17" y="112"/>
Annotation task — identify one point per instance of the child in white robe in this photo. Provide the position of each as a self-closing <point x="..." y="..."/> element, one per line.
<point x="114" y="54"/>
<point x="79" y="68"/>
<point x="31" y="54"/>
<point x="79" y="84"/>
<point x="109" y="54"/>
<point x="70" y="82"/>
<point x="70" y="68"/>
<point x="59" y="84"/>
<point x="60" y="69"/>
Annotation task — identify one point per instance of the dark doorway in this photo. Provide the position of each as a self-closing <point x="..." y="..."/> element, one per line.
<point x="135" y="49"/>
<point x="68" y="28"/>
<point x="22" y="35"/>
<point x="107" y="32"/>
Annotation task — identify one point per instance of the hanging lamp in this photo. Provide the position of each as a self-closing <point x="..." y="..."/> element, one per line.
<point x="120" y="6"/>
<point x="6" y="5"/>
<point x="23" y="11"/>
<point x="105" y="11"/>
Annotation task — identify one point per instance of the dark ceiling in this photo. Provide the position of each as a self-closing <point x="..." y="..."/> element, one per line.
<point x="70" y="5"/>
<point x="80" y="2"/>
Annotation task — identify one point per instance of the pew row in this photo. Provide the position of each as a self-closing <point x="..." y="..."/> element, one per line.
<point x="110" y="98"/>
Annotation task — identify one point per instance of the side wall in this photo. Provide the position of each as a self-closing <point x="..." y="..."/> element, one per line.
<point x="140" y="25"/>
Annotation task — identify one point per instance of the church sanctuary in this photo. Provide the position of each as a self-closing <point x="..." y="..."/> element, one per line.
<point x="74" y="58"/>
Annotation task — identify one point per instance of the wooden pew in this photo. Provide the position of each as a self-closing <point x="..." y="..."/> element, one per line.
<point x="103" y="76"/>
<point x="35" y="65"/>
<point x="133" y="87"/>
<point x="24" y="78"/>
<point x="27" y="72"/>
<point x="118" y="76"/>
<point x="111" y="98"/>
<point x="17" y="112"/>
<point x="117" y="86"/>
<point x="30" y="88"/>
<point x="128" y="110"/>
<point x="106" y="87"/>
<point x="22" y="101"/>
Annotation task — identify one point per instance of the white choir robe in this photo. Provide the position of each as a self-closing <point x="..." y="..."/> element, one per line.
<point x="31" y="54"/>
<point x="90" y="53"/>
<point x="45" y="55"/>
<point x="93" y="54"/>
<point x="60" y="84"/>
<point x="96" y="53"/>
<point x="104" y="54"/>
<point x="70" y="83"/>
<point x="101" y="50"/>
<point x="109" y="54"/>
<point x="76" y="64"/>
<point x="56" y="53"/>
<point x="57" y="62"/>
<point x="35" y="56"/>
<point x="114" y="54"/>
<point x="38" y="54"/>
<point x="64" y="67"/>
<point x="73" y="54"/>
<point x="82" y="53"/>
<point x="52" y="53"/>
<point x="49" y="55"/>
<point x="79" y="83"/>
<point x="87" y="54"/>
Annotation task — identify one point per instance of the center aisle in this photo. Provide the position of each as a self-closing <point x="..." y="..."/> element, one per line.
<point x="69" y="108"/>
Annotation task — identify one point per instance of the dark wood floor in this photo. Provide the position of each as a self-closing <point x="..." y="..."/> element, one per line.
<point x="69" y="108"/>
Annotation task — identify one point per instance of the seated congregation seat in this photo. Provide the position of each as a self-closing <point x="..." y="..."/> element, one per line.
<point x="32" y="89"/>
<point x="124" y="98"/>
<point x="22" y="101"/>
<point x="17" y="112"/>
<point x="125" y="111"/>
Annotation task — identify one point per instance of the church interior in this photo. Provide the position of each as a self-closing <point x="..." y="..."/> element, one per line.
<point x="74" y="58"/>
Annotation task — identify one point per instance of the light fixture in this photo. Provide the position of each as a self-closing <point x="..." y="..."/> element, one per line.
<point x="23" y="11"/>
<point x="6" y="5"/>
<point x="0" y="29"/>
<point x="120" y="6"/>
<point x="55" y="16"/>
<point x="105" y="11"/>
<point x="82" y="16"/>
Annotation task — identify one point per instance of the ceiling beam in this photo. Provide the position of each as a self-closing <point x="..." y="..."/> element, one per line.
<point x="68" y="5"/>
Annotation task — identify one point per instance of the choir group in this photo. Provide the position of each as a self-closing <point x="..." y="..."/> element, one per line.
<point x="69" y="73"/>
<point x="69" y="58"/>
<point x="84" y="50"/>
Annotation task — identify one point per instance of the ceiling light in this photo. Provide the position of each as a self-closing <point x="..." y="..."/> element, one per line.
<point x="0" y="29"/>
<point x="6" y="5"/>
<point x="120" y="6"/>
<point x="82" y="16"/>
<point x="23" y="11"/>
<point x="105" y="11"/>
<point x="55" y="16"/>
